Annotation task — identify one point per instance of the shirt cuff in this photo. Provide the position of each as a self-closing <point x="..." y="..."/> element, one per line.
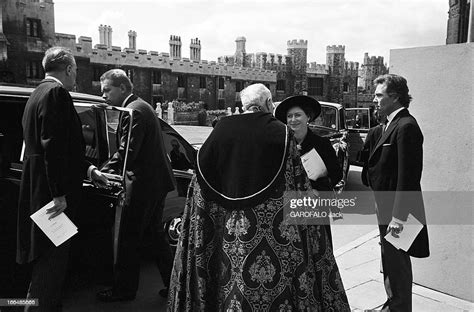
<point x="398" y="220"/>
<point x="89" y="171"/>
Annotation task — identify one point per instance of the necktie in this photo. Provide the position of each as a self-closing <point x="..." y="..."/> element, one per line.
<point x="385" y="123"/>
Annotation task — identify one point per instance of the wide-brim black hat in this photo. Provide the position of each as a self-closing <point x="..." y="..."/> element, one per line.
<point x="307" y="103"/>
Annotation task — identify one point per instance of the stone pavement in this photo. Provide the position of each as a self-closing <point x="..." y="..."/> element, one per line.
<point x="359" y="265"/>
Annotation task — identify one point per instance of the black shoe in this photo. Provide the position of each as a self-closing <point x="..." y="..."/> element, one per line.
<point x="164" y="292"/>
<point x="108" y="295"/>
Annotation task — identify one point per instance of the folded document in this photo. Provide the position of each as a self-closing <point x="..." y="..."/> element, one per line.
<point x="410" y="231"/>
<point x="314" y="165"/>
<point x="59" y="229"/>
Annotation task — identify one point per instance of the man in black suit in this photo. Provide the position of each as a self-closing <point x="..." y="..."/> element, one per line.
<point x="393" y="171"/>
<point x="149" y="178"/>
<point x="53" y="170"/>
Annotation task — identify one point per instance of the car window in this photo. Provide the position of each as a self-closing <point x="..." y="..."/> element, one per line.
<point x="181" y="153"/>
<point x="357" y="118"/>
<point x="99" y="129"/>
<point x="93" y="130"/>
<point x="113" y="117"/>
<point x="327" y="118"/>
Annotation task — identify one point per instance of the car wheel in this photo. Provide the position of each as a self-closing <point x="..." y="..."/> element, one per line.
<point x="173" y="230"/>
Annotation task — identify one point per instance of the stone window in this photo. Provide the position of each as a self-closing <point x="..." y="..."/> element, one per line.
<point x="181" y="81"/>
<point x="221" y="82"/>
<point x="238" y="86"/>
<point x="202" y="82"/>
<point x="156" y="77"/>
<point x="346" y="87"/>
<point x="315" y="86"/>
<point x="34" y="69"/>
<point x="33" y="27"/>
<point x="281" y="85"/>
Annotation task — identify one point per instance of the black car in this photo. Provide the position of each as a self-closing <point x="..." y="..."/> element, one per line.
<point x="93" y="246"/>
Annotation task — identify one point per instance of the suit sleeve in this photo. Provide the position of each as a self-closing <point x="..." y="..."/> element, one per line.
<point x="364" y="156"/>
<point x="54" y="113"/>
<point x="410" y="164"/>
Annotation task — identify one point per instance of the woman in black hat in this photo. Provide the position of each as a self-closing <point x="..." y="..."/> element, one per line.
<point x="297" y="112"/>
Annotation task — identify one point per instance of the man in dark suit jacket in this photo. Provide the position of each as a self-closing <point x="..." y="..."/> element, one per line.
<point x="53" y="169"/>
<point x="150" y="178"/>
<point x="393" y="171"/>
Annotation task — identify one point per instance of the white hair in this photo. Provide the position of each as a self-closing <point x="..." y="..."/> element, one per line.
<point x="255" y="95"/>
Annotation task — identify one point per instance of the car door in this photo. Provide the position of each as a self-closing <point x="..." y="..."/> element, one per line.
<point x="95" y="246"/>
<point x="358" y="121"/>
<point x="14" y="277"/>
<point x="183" y="170"/>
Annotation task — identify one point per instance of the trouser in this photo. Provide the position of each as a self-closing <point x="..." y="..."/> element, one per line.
<point x="397" y="275"/>
<point x="47" y="279"/>
<point x="127" y="267"/>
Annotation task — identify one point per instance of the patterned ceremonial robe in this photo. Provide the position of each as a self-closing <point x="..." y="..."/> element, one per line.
<point x="251" y="259"/>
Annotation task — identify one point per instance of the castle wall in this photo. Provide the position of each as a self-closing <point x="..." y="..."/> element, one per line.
<point x="25" y="46"/>
<point x="93" y="60"/>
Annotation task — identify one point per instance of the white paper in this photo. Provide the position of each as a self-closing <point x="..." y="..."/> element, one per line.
<point x="410" y="231"/>
<point x="314" y="165"/>
<point x="59" y="229"/>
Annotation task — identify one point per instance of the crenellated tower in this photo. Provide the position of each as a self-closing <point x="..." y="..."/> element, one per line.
<point x="298" y="52"/>
<point x="335" y="60"/>
<point x="240" y="54"/>
<point x="372" y="67"/>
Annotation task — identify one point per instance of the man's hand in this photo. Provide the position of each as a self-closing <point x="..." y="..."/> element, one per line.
<point x="395" y="228"/>
<point x="59" y="206"/>
<point x="100" y="106"/>
<point x="99" y="179"/>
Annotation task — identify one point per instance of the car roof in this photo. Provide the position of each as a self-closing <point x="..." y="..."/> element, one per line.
<point x="26" y="92"/>
<point x="336" y="105"/>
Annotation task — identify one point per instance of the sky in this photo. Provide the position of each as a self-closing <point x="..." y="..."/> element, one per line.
<point x="372" y="26"/>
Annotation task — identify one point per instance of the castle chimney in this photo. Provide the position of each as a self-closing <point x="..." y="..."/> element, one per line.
<point x="106" y="35"/>
<point x="175" y="46"/>
<point x="109" y="35"/>
<point x="101" y="34"/>
<point x="132" y="39"/>
<point x="195" y="50"/>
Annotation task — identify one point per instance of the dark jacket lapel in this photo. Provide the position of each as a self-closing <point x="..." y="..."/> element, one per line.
<point x="391" y="127"/>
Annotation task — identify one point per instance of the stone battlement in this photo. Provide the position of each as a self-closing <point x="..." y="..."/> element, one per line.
<point x="336" y="49"/>
<point x="295" y="44"/>
<point x="314" y="68"/>
<point x="372" y="60"/>
<point x="351" y="66"/>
